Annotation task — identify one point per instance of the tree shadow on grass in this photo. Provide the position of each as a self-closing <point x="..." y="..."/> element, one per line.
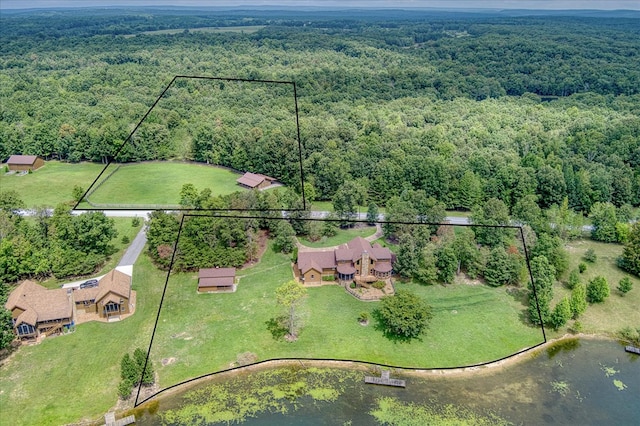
<point x="275" y="327"/>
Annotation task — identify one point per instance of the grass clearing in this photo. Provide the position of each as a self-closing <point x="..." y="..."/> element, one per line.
<point x="343" y="236"/>
<point x="159" y="183"/>
<point x="204" y="333"/>
<point x="75" y="376"/>
<point x="51" y="184"/>
<point x="617" y="311"/>
<point x="247" y="29"/>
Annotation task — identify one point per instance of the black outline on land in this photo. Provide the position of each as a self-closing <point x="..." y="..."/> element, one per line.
<point x="128" y="139"/>
<point x="381" y="222"/>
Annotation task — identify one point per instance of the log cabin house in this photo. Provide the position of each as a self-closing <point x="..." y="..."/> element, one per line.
<point x="255" y="181"/>
<point x="24" y="163"/>
<point x="356" y="261"/>
<point x="217" y="280"/>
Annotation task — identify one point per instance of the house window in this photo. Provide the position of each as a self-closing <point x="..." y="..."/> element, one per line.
<point x="111" y="307"/>
<point x="370" y="261"/>
<point x="312" y="276"/>
<point x="25" y="329"/>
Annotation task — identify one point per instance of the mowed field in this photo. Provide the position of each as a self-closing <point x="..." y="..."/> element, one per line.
<point x="51" y="184"/>
<point x="203" y="333"/>
<point x="159" y="183"/>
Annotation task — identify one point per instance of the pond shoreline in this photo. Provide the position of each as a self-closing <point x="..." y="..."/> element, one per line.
<point x="484" y="369"/>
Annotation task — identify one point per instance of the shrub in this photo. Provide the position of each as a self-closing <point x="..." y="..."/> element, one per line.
<point x="576" y="327"/>
<point x="582" y="267"/>
<point x="597" y="290"/>
<point x="625" y="285"/>
<point x="590" y="256"/>
<point x="628" y="334"/>
<point x="574" y="279"/>
<point x="328" y="278"/>
<point x="363" y="317"/>
<point x="379" y="285"/>
<point x="125" y="239"/>
<point x="352" y="285"/>
<point x="135" y="222"/>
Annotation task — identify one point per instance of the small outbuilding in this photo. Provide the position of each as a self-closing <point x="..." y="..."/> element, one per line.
<point x="217" y="280"/>
<point x="255" y="180"/>
<point x="24" y="163"/>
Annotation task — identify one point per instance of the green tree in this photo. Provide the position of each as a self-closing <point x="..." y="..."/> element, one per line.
<point x="543" y="278"/>
<point x="188" y="195"/>
<point x="447" y="263"/>
<point x="372" y="213"/>
<point x="502" y="268"/>
<point x="77" y="193"/>
<point x="407" y="261"/>
<point x="495" y="214"/>
<point x="561" y="314"/>
<point x="625" y="285"/>
<point x="404" y="315"/>
<point x="574" y="279"/>
<point x="129" y="371"/>
<point x="630" y="259"/>
<point x="578" y="300"/>
<point x="603" y="217"/>
<point x="145" y="375"/>
<point x="11" y="202"/>
<point x="597" y="290"/>
<point x="6" y="320"/>
<point x="290" y="296"/>
<point x="284" y="237"/>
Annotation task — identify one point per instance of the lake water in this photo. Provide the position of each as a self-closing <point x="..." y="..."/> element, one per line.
<point x="586" y="382"/>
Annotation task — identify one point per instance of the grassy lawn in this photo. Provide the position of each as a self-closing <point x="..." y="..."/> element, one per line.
<point x="616" y="312"/>
<point x="343" y="236"/>
<point x="203" y="333"/>
<point x="52" y="184"/>
<point x="72" y="377"/>
<point x="159" y="183"/>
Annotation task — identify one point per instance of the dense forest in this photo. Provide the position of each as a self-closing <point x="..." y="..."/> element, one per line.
<point x="463" y="107"/>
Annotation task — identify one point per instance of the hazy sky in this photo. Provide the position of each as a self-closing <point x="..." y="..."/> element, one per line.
<point x="492" y="4"/>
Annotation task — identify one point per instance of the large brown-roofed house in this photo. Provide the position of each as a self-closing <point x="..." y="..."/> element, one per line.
<point x="109" y="300"/>
<point x="23" y="163"/>
<point x="356" y="260"/>
<point x="37" y="311"/>
<point x="255" y="180"/>
<point x="217" y="280"/>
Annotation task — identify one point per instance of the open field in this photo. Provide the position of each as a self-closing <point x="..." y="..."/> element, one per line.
<point x="52" y="184"/>
<point x="75" y="376"/>
<point x="203" y="333"/>
<point x="617" y="311"/>
<point x="343" y="236"/>
<point x="159" y="183"/>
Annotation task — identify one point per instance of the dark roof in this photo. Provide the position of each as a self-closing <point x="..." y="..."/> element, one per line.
<point x="27" y="160"/>
<point x="252" y="180"/>
<point x="346" y="269"/>
<point x="216" y="273"/>
<point x="216" y="282"/>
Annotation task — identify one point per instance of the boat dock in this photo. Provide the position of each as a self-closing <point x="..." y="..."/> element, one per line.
<point x="385" y="380"/>
<point x="110" y="420"/>
<point x="632" y="349"/>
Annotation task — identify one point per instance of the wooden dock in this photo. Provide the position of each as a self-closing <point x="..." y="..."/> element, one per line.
<point x="632" y="349"/>
<point x="385" y="380"/>
<point x="110" y="420"/>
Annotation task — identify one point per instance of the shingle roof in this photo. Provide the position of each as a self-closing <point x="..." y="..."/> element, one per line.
<point x="85" y="294"/>
<point x="39" y="304"/>
<point x="317" y="260"/>
<point x="114" y="282"/>
<point x="252" y="180"/>
<point x="22" y="159"/>
<point x="216" y="272"/>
